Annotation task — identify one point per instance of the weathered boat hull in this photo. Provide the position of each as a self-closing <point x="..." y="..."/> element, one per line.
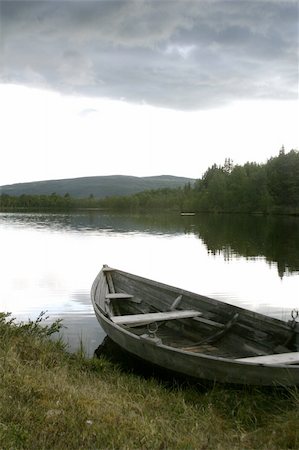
<point x="198" y="365"/>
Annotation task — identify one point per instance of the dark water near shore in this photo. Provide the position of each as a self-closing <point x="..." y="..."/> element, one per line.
<point x="48" y="262"/>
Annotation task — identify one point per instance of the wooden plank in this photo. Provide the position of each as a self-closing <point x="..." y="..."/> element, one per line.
<point x="209" y="322"/>
<point x="123" y="296"/>
<point x="154" y="317"/>
<point x="118" y="295"/>
<point x="279" y="358"/>
<point x="206" y="349"/>
<point x="110" y="283"/>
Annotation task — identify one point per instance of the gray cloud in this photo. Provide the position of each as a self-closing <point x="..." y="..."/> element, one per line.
<point x="177" y="54"/>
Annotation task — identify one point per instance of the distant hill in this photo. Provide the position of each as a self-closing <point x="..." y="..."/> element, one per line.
<point x="99" y="187"/>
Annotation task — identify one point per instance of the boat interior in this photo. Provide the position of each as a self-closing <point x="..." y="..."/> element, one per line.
<point x="195" y="323"/>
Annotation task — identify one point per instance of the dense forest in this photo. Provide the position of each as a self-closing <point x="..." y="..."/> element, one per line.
<point x="256" y="188"/>
<point x="265" y="188"/>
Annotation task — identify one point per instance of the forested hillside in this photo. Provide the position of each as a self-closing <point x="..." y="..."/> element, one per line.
<point x="255" y="188"/>
<point x="98" y="187"/>
<point x="271" y="187"/>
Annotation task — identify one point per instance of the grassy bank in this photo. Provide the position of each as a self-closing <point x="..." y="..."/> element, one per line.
<point x="51" y="399"/>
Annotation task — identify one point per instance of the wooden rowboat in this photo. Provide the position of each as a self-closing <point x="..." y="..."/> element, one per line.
<point x="195" y="335"/>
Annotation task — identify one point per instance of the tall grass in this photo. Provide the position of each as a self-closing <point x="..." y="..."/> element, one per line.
<point x="50" y="399"/>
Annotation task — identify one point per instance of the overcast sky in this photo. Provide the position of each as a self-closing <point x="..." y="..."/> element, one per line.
<point x="145" y="87"/>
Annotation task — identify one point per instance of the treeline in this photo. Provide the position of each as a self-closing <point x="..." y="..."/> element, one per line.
<point x="261" y="188"/>
<point x="49" y="202"/>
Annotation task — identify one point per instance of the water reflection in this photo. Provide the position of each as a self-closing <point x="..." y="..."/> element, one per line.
<point x="95" y="222"/>
<point x="48" y="261"/>
<point x="274" y="237"/>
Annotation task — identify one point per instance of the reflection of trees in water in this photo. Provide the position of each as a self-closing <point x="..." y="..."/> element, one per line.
<point x="274" y="237"/>
<point x="98" y="222"/>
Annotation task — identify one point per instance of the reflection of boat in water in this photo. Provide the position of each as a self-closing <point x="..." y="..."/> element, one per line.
<point x="195" y="335"/>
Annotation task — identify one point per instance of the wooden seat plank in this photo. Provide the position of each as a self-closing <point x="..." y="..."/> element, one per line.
<point x="122" y="296"/>
<point x="154" y="317"/>
<point x="279" y="358"/>
<point x="118" y="295"/>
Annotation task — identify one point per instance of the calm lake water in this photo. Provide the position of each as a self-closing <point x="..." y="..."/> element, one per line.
<point x="49" y="261"/>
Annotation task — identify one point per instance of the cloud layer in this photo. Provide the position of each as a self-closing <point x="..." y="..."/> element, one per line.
<point x="177" y="54"/>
